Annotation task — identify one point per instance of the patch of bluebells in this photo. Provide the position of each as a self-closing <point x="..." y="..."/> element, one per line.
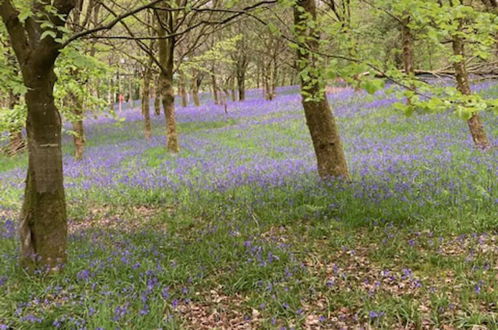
<point x="382" y="169"/>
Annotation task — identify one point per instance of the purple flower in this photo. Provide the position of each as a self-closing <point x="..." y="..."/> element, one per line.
<point x="120" y="312"/>
<point x="83" y="275"/>
<point x="375" y="315"/>
<point x="32" y="318"/>
<point x="165" y="292"/>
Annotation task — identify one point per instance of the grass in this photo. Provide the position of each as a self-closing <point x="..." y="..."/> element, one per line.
<point x="409" y="243"/>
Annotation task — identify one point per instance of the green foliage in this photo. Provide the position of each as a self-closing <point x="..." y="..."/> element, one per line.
<point x="77" y="71"/>
<point x="219" y="54"/>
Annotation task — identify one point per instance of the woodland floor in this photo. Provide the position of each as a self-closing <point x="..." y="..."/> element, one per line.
<point x="237" y="232"/>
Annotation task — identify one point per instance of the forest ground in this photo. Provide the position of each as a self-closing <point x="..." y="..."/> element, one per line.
<point x="236" y="231"/>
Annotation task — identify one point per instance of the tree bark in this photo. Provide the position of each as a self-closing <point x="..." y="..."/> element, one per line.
<point x="157" y="96"/>
<point x="241" y="85"/>
<point x="331" y="161"/>
<point x="196" y="83"/>
<point x="78" y="128"/>
<point x="147" y="76"/>
<point x="166" y="59"/>
<point x="216" y="92"/>
<point x="241" y="69"/>
<point x="43" y="223"/>
<point x="182" y="89"/>
<point x="43" y="227"/>
<point x="407" y="37"/>
<point x="408" y="58"/>
<point x="462" y="79"/>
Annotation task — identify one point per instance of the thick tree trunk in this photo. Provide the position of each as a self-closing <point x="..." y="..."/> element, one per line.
<point x="43" y="227"/>
<point x="166" y="58"/>
<point x="319" y="118"/>
<point x="43" y="222"/>
<point x="462" y="79"/>
<point x="146" y="103"/>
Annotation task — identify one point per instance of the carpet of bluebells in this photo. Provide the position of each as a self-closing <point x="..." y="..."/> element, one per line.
<point x="237" y="231"/>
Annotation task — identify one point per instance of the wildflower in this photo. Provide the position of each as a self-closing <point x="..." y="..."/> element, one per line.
<point x="83" y="275"/>
<point x="375" y="315"/>
<point x="165" y="292"/>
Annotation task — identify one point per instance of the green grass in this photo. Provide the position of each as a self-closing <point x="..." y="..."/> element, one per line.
<point x="281" y="256"/>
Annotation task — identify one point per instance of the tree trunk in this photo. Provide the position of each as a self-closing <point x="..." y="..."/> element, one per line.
<point x="43" y="223"/>
<point x="233" y="92"/>
<point x="158" y="97"/>
<point x="146" y="103"/>
<point x="241" y="69"/>
<point x="462" y="79"/>
<point x="79" y="128"/>
<point x="319" y="118"/>
<point x="166" y="59"/>
<point x="214" y="85"/>
<point x="274" y="77"/>
<point x="241" y="84"/>
<point x="183" y="91"/>
<point x="43" y="227"/>
<point x="195" y="92"/>
<point x="407" y="38"/>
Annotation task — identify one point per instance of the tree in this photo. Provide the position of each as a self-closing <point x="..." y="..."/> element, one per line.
<point x="319" y="118"/>
<point x="43" y="226"/>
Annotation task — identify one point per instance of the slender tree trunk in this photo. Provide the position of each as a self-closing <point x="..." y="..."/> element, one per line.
<point x="78" y="127"/>
<point x="110" y="95"/>
<point x="195" y="92"/>
<point x="408" y="58"/>
<point x="462" y="79"/>
<point x="166" y="58"/>
<point x="241" y="84"/>
<point x="183" y="91"/>
<point x="258" y="75"/>
<point x="158" y="97"/>
<point x="319" y="118"/>
<point x="43" y="227"/>
<point x="241" y="70"/>
<point x="216" y="94"/>
<point x="146" y="103"/>
<point x="233" y="92"/>
<point x="274" y="78"/>
<point x="130" y="92"/>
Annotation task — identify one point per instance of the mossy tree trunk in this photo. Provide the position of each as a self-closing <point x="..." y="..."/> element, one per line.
<point x="43" y="223"/>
